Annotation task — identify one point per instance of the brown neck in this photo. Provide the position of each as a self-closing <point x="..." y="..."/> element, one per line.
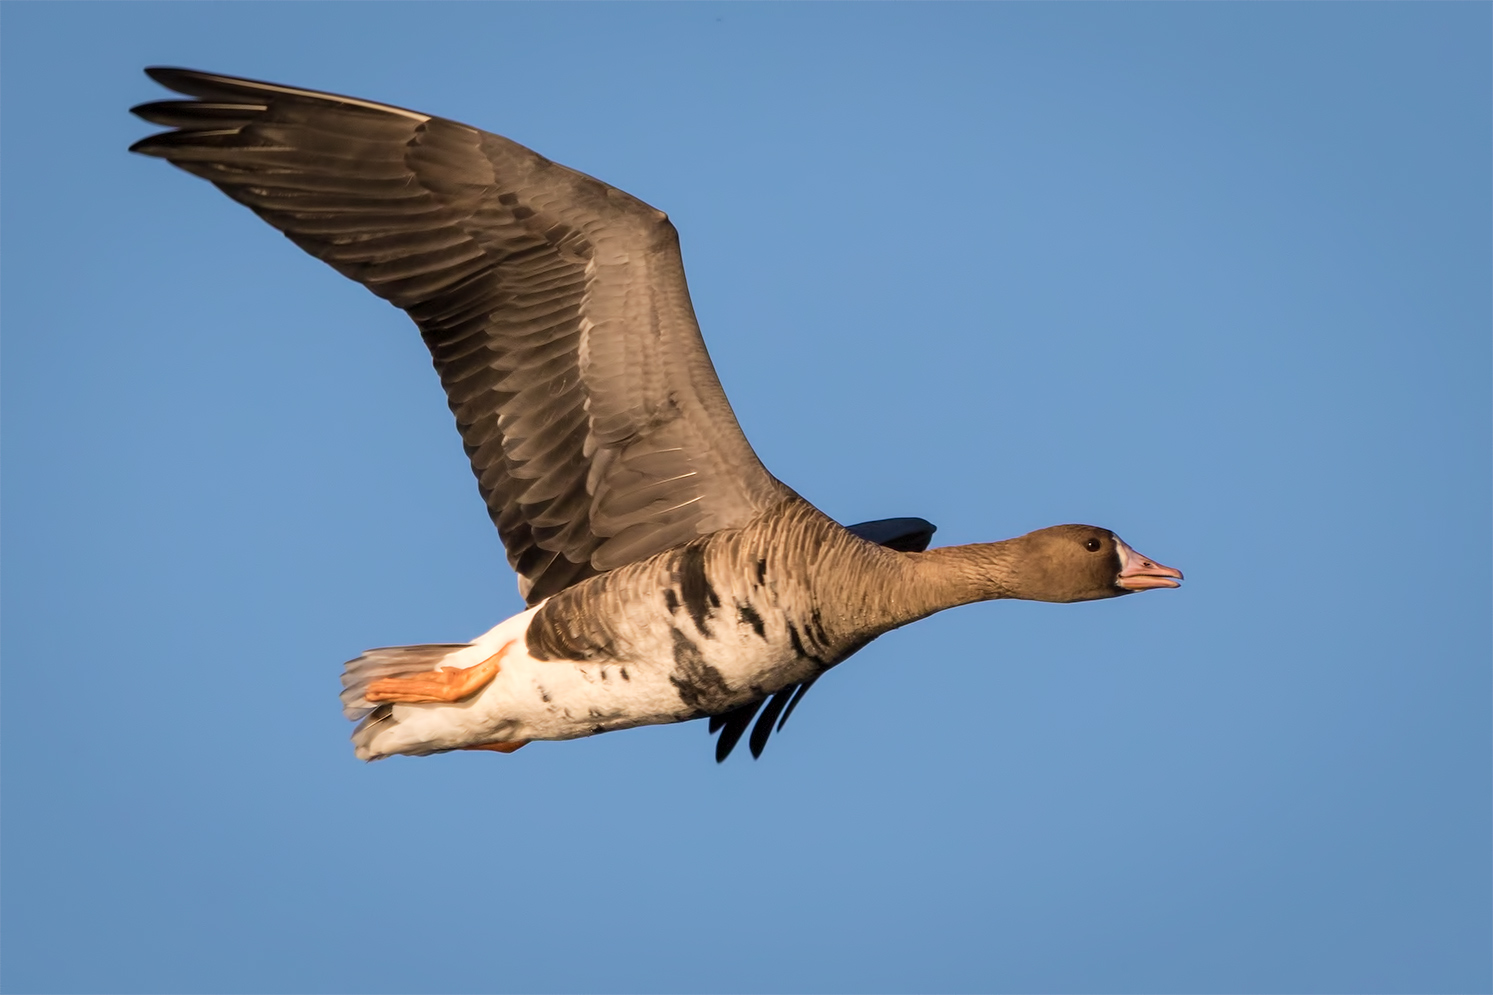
<point x="916" y="585"/>
<point x="960" y="575"/>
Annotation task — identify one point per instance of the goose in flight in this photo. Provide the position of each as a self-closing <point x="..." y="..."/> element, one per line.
<point x="668" y="575"/>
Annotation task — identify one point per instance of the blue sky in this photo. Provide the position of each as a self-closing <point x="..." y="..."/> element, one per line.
<point x="1214" y="276"/>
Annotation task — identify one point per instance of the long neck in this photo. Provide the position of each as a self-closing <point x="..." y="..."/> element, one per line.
<point x="911" y="586"/>
<point x="960" y="575"/>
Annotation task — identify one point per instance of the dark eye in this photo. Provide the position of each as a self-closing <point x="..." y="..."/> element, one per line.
<point x="1092" y="545"/>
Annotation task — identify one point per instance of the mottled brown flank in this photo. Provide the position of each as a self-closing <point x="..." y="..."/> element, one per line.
<point x="750" y="616"/>
<point x="694" y="588"/>
<point x="566" y="628"/>
<point x="701" y="687"/>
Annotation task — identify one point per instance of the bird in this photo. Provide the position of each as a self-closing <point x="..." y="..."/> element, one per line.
<point x="667" y="575"/>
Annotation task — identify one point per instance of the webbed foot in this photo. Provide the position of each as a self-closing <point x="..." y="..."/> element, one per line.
<point x="508" y="747"/>
<point x="438" y="685"/>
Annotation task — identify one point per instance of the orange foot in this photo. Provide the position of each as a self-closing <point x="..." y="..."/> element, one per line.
<point x="438" y="685"/>
<point x="508" y="747"/>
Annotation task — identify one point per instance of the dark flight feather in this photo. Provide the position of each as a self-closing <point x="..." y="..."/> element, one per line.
<point x="769" y="715"/>
<point x="734" y="724"/>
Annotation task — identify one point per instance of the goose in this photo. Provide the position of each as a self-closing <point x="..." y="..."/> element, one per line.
<point x="667" y="575"/>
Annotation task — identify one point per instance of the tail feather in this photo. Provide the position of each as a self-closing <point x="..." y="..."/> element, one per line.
<point x="387" y="661"/>
<point x="364" y="731"/>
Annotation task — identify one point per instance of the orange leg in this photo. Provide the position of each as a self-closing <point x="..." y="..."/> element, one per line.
<point x="438" y="685"/>
<point x="500" y="747"/>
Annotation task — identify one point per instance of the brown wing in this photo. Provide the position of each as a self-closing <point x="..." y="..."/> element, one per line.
<point x="554" y="306"/>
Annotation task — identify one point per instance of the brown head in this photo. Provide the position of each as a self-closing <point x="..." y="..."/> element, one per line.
<point x="1081" y="563"/>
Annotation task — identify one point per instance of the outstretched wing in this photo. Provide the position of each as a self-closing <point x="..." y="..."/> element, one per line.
<point x="554" y="306"/>
<point x="906" y="535"/>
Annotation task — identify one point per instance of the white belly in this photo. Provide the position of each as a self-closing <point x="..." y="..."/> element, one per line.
<point x="563" y="699"/>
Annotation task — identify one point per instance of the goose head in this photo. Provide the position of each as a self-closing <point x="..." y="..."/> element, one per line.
<point x="1067" y="563"/>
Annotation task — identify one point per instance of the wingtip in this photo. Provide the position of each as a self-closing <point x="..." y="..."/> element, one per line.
<point x="172" y="76"/>
<point x="216" y="86"/>
<point x="145" y="112"/>
<point x="164" y="75"/>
